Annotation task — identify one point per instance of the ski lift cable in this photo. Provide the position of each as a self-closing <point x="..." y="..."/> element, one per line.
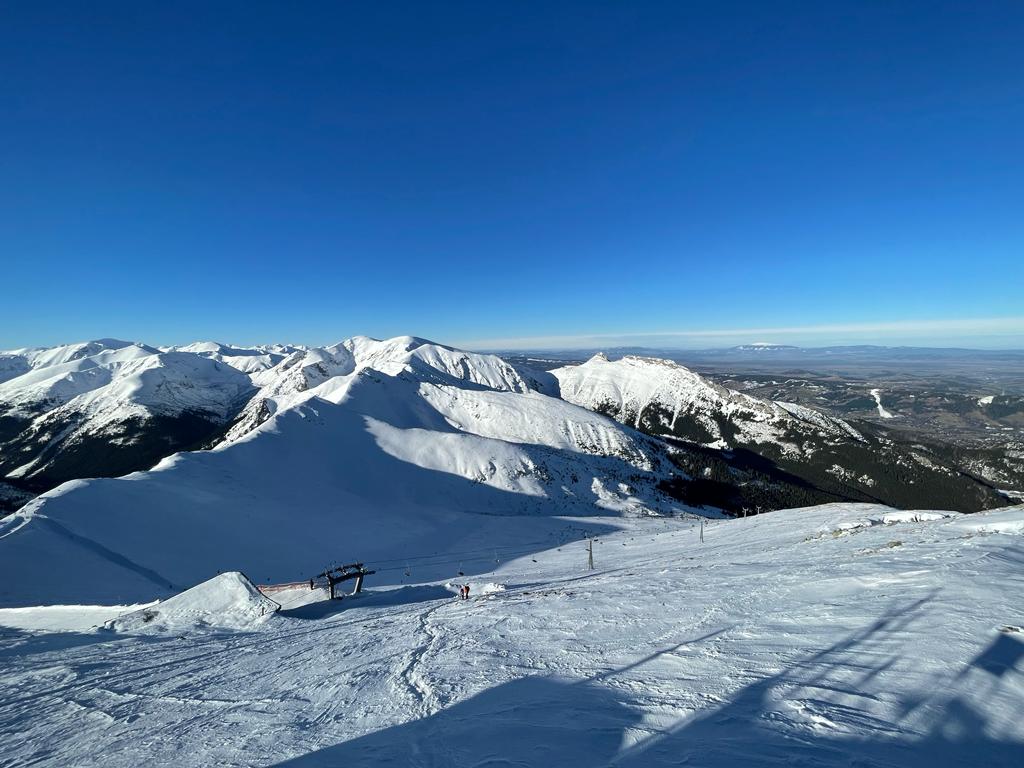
<point x="447" y="561"/>
<point x="491" y="553"/>
<point x="462" y="552"/>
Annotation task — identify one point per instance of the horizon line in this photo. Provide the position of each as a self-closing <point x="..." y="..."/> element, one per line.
<point x="1012" y="327"/>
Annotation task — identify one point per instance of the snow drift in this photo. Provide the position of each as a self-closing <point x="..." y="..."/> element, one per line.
<point x="228" y="600"/>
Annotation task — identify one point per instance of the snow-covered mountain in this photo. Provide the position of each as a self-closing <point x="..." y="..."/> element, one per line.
<point x="354" y="451"/>
<point x="297" y="377"/>
<point x="245" y="359"/>
<point x="664" y="397"/>
<point x="745" y="452"/>
<point x="435" y="466"/>
<point x="107" y="407"/>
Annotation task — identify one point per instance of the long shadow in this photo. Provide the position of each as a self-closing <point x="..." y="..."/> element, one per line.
<point x="518" y="586"/>
<point x="999" y="659"/>
<point x="16" y="643"/>
<point x="544" y="721"/>
<point x="408" y="595"/>
<point x="746" y="731"/>
<point x="532" y="721"/>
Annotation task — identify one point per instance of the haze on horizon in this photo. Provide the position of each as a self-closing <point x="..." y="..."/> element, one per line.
<point x="572" y="175"/>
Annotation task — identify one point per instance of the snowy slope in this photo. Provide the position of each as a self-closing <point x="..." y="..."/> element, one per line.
<point x="107" y="406"/>
<point x="756" y="453"/>
<point x="297" y="378"/>
<point x="245" y="359"/>
<point x="833" y="636"/>
<point x="634" y="388"/>
<point x="227" y="601"/>
<point x="430" y="451"/>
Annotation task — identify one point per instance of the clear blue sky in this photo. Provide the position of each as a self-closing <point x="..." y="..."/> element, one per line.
<point x="482" y="172"/>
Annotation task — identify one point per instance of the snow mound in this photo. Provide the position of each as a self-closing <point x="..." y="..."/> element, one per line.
<point x="913" y="516"/>
<point x="1009" y="520"/>
<point x="228" y="601"/>
<point x="883" y="516"/>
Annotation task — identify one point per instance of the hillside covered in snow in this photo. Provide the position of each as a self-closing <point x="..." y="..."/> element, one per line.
<point x="107" y="408"/>
<point x="834" y="636"/>
<point x="358" y="451"/>
<point x="745" y="452"/>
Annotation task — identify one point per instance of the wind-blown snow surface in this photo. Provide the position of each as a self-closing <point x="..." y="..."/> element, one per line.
<point x="403" y="445"/>
<point x="833" y="636"/>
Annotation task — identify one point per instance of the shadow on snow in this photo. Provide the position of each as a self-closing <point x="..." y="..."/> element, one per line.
<point x="813" y="713"/>
<point x="408" y="595"/>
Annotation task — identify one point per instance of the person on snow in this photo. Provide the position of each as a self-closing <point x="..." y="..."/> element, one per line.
<point x="465" y="595"/>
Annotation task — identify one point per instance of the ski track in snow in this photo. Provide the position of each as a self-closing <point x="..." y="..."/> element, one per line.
<point x="425" y="697"/>
<point x="882" y="413"/>
<point x="800" y="637"/>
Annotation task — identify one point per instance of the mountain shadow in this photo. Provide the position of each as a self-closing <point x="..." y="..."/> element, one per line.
<point x="814" y="712"/>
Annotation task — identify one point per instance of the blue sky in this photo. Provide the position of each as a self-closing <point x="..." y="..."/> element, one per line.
<point x="530" y="174"/>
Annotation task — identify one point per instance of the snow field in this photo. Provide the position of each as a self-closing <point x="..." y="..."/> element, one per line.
<point x="763" y="646"/>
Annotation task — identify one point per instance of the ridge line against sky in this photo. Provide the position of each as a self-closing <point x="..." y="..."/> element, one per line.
<point x="992" y="333"/>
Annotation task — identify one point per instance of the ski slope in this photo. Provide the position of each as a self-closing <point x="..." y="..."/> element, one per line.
<point x="831" y="636"/>
<point x="882" y="412"/>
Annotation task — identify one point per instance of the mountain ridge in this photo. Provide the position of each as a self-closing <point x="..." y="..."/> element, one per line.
<point x="110" y="407"/>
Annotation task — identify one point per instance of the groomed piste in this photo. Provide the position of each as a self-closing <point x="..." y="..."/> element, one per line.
<point x="829" y="636"/>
